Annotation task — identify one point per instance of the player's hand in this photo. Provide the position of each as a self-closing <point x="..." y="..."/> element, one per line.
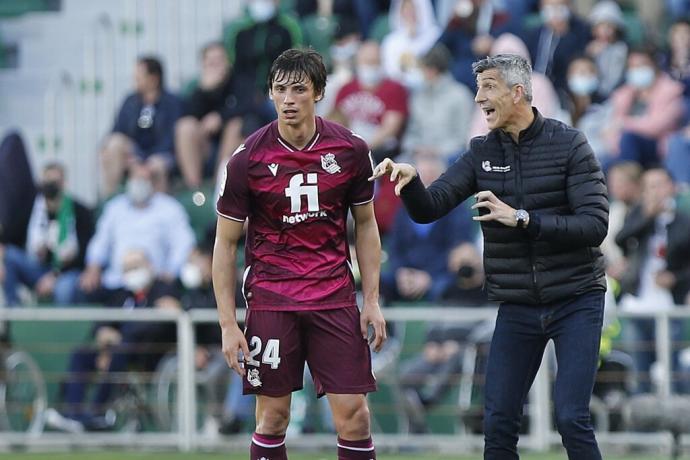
<point x="498" y="210"/>
<point x="402" y="172"/>
<point x="234" y="342"/>
<point x="371" y="314"/>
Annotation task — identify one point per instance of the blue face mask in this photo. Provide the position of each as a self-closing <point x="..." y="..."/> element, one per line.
<point x="583" y="85"/>
<point x="640" y="77"/>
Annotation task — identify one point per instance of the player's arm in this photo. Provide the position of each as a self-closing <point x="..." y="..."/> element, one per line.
<point x="368" y="247"/>
<point x="228" y="233"/>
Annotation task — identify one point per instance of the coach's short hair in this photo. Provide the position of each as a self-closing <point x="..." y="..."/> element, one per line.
<point x="514" y="69"/>
<point x="294" y="64"/>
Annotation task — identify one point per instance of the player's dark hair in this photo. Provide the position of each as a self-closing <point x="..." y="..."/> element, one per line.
<point x="294" y="65"/>
<point x="153" y="67"/>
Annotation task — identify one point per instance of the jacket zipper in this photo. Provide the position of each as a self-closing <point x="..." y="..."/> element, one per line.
<point x="521" y="205"/>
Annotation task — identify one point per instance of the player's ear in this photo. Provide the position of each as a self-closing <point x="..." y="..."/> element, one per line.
<point x="270" y="94"/>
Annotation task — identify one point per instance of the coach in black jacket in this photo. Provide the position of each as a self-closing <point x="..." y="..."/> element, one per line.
<point x="543" y="207"/>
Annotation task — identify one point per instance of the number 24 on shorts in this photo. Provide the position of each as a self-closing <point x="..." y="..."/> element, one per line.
<point x="271" y="354"/>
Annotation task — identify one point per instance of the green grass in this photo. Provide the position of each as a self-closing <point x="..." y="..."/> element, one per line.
<point x="244" y="455"/>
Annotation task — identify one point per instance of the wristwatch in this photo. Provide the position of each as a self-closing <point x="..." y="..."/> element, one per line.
<point x="521" y="216"/>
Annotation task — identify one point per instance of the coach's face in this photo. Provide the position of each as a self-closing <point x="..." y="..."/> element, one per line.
<point x="294" y="98"/>
<point x="497" y="101"/>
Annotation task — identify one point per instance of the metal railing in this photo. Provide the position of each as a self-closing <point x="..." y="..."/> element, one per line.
<point x="541" y="437"/>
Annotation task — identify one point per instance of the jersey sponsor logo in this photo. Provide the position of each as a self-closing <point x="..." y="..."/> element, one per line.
<point x="273" y="167"/>
<point x="329" y="164"/>
<point x="297" y="189"/>
<point x="486" y="166"/>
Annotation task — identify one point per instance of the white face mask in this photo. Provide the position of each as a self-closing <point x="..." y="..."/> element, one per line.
<point x="191" y="276"/>
<point x="139" y="190"/>
<point x="138" y="279"/>
<point x="640" y="77"/>
<point x="414" y="79"/>
<point x="261" y="10"/>
<point x="552" y="13"/>
<point x="369" y="75"/>
<point x="343" y="53"/>
<point x="583" y="85"/>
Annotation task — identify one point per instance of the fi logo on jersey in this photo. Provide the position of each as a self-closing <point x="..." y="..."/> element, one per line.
<point x="297" y="189"/>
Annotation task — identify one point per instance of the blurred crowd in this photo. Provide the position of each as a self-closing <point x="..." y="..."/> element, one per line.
<point x="400" y="76"/>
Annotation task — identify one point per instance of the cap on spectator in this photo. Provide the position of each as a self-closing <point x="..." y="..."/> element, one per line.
<point x="607" y="11"/>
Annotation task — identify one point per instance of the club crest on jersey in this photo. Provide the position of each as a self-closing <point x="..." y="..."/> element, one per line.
<point x="329" y="164"/>
<point x="486" y="166"/>
<point x="253" y="378"/>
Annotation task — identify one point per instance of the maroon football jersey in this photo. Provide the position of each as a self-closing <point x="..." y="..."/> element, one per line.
<point x="297" y="201"/>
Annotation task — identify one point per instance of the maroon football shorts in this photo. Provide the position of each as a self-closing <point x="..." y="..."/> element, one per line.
<point x="330" y="341"/>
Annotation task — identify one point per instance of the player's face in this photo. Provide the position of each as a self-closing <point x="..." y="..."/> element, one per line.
<point x="495" y="99"/>
<point x="294" y="99"/>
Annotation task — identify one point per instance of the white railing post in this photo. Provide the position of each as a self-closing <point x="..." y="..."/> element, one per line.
<point x="186" y="391"/>
<point x="663" y="352"/>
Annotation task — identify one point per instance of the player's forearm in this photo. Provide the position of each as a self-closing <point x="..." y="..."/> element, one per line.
<point x="224" y="277"/>
<point x="368" y="246"/>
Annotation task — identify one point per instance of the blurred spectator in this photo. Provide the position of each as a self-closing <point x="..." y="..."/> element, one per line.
<point x="655" y="239"/>
<point x="677" y="159"/>
<point x="59" y="230"/>
<point x="608" y="48"/>
<point x="428" y="376"/>
<point x="439" y="115"/>
<point x="365" y="12"/>
<point x="17" y="191"/>
<point x="678" y="57"/>
<point x="372" y="105"/>
<point x="209" y="121"/>
<point x="144" y="130"/>
<point x="253" y="42"/>
<point x="321" y="22"/>
<point x="646" y="109"/>
<point x="544" y="96"/>
<point x="141" y="217"/>
<point x="677" y="9"/>
<point x="624" y="184"/>
<point x="413" y="32"/>
<point x="588" y="111"/>
<point x="411" y="274"/>
<point x="561" y="37"/>
<point x="117" y="346"/>
<point x="469" y="35"/>
<point x="346" y="41"/>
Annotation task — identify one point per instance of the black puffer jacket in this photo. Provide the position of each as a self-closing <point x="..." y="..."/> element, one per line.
<point x="553" y="174"/>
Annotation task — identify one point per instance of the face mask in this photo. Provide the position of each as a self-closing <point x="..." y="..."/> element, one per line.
<point x="414" y="79"/>
<point x="139" y="190"/>
<point x="51" y="190"/>
<point x="191" y="276"/>
<point x="583" y="85"/>
<point x="369" y="75"/>
<point x="137" y="280"/>
<point x="552" y="13"/>
<point x="261" y="10"/>
<point x="342" y="53"/>
<point x="640" y="77"/>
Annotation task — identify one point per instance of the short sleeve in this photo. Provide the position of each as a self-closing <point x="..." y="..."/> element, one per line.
<point x="361" y="190"/>
<point x="233" y="200"/>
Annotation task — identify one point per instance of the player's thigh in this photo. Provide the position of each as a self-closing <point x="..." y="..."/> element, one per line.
<point x="338" y="355"/>
<point x="275" y="364"/>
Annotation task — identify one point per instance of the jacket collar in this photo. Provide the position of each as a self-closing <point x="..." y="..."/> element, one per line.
<point x="526" y="134"/>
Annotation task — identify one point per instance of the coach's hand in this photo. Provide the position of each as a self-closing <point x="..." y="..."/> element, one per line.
<point x="233" y="342"/>
<point x="371" y="314"/>
<point x="402" y="172"/>
<point x="498" y="210"/>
